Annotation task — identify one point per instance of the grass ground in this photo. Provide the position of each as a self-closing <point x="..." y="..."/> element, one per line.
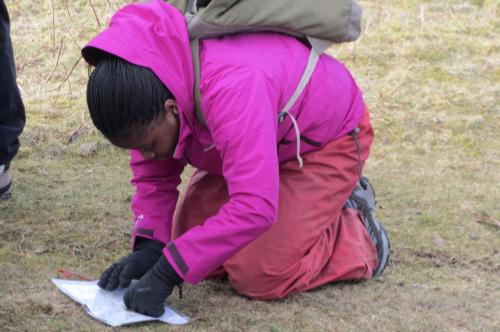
<point x="430" y="72"/>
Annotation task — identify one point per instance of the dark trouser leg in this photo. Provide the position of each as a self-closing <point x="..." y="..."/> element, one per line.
<point x="12" y="116"/>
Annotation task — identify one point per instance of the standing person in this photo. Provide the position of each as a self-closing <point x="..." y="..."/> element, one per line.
<point x="272" y="224"/>
<point x="12" y="116"/>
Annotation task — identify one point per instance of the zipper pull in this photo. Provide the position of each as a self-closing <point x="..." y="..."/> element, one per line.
<point x="179" y="286"/>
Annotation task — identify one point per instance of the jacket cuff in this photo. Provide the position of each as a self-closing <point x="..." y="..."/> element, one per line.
<point x="148" y="228"/>
<point x="177" y="262"/>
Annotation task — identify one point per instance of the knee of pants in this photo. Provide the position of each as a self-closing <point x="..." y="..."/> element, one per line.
<point x="257" y="280"/>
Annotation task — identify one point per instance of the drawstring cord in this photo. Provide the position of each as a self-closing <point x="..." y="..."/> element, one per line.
<point x="354" y="133"/>
<point x="281" y="116"/>
<point x="179" y="286"/>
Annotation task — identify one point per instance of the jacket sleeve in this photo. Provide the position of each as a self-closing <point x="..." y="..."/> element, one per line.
<point x="242" y="118"/>
<point x="156" y="195"/>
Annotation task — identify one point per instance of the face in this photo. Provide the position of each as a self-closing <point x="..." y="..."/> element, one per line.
<point x="159" y="139"/>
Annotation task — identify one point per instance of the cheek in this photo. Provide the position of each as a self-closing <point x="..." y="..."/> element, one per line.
<point x="166" y="138"/>
<point x="165" y="145"/>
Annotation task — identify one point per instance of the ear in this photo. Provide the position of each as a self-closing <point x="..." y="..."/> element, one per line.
<point x="171" y="107"/>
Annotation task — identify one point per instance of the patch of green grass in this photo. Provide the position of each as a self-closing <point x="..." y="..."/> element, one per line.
<point x="430" y="75"/>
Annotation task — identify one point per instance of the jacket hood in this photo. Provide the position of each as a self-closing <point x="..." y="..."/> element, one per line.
<point x="153" y="35"/>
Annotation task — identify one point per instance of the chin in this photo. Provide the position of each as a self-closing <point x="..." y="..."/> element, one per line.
<point x="164" y="156"/>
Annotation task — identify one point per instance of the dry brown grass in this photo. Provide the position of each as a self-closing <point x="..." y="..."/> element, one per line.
<point x="430" y="72"/>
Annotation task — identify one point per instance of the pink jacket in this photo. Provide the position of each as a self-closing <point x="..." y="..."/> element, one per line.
<point x="245" y="81"/>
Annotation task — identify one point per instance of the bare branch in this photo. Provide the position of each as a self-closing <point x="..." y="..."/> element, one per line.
<point x="70" y="34"/>
<point x="110" y="5"/>
<point x="51" y="4"/>
<point x="57" y="62"/>
<point x="66" y="80"/>
<point x="422" y="15"/>
<point x="67" y="9"/>
<point x="95" y="14"/>
<point x="70" y="72"/>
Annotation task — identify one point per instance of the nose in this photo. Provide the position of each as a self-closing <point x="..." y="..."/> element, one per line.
<point x="148" y="155"/>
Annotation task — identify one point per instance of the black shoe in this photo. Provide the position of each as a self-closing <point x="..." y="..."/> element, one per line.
<point x="363" y="199"/>
<point x="5" y="185"/>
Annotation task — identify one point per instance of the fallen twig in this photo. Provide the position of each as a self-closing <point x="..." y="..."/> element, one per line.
<point x="77" y="132"/>
<point x="488" y="220"/>
<point x="72" y="275"/>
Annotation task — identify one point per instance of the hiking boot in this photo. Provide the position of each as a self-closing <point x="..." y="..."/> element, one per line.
<point x="5" y="185"/>
<point x="363" y="199"/>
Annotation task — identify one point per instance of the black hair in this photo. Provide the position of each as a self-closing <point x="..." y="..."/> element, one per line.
<point x="124" y="98"/>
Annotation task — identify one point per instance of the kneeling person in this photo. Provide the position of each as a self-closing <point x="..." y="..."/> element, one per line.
<point x="272" y="224"/>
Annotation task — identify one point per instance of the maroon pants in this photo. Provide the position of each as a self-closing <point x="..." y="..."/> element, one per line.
<point x="314" y="240"/>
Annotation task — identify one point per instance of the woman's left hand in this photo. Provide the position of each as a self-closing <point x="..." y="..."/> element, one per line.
<point x="147" y="296"/>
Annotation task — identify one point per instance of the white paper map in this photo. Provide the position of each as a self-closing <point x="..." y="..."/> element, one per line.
<point x="108" y="307"/>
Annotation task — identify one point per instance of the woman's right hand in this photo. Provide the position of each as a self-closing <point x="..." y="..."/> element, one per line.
<point x="145" y="255"/>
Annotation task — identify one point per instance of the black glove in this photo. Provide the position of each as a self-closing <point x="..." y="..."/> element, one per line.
<point x="147" y="296"/>
<point x="133" y="266"/>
